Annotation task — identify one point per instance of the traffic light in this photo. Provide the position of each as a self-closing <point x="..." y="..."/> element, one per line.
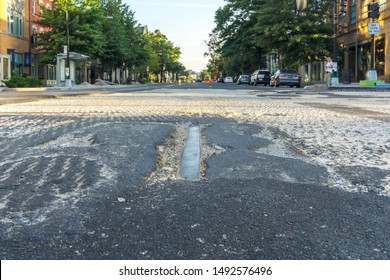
<point x="373" y="10"/>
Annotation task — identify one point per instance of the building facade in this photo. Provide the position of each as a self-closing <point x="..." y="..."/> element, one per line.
<point x="356" y="42"/>
<point x="14" y="38"/>
<point x="18" y="39"/>
<point x="45" y="72"/>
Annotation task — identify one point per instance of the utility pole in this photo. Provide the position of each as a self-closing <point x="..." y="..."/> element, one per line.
<point x="335" y="31"/>
<point x="335" y="80"/>
<point x="68" y="82"/>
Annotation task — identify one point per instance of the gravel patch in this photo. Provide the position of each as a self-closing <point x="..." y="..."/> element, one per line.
<point x="351" y="136"/>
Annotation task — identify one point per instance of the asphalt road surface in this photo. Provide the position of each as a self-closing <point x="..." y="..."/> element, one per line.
<point x="286" y="174"/>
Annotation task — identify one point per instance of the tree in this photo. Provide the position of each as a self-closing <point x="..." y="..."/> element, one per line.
<point x="205" y="75"/>
<point x="164" y="56"/>
<point x="85" y="28"/>
<point x="298" y="38"/>
<point x="247" y="31"/>
<point x="105" y="30"/>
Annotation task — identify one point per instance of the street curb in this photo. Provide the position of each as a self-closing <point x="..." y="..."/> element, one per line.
<point x="360" y="88"/>
<point x="30" y="89"/>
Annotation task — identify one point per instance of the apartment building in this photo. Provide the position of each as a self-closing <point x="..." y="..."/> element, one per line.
<point x="39" y="70"/>
<point x="18" y="38"/>
<point x="356" y="42"/>
<point x="14" y="38"/>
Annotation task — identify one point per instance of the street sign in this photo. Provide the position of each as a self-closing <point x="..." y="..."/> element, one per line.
<point x="374" y="28"/>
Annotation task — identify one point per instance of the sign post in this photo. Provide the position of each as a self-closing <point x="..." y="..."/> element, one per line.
<point x="373" y="29"/>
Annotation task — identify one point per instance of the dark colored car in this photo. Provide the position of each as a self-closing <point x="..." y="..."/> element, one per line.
<point x="286" y="77"/>
<point x="260" y="77"/>
<point x="220" y="80"/>
<point x="243" y="79"/>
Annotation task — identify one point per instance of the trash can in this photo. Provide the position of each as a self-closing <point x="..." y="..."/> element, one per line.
<point x="347" y="76"/>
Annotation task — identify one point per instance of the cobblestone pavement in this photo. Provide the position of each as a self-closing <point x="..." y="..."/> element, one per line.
<point x="342" y="134"/>
<point x="68" y="161"/>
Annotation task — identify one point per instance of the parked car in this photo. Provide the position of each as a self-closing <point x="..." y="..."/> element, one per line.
<point x="243" y="79"/>
<point x="228" y="80"/>
<point x="260" y="77"/>
<point x="286" y="77"/>
<point x="220" y="80"/>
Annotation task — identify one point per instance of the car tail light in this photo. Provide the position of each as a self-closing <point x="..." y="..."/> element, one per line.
<point x="281" y="75"/>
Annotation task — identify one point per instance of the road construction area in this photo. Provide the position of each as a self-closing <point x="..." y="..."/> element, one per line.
<point x="279" y="174"/>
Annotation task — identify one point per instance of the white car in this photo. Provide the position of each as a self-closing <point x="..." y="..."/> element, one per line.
<point x="228" y="80"/>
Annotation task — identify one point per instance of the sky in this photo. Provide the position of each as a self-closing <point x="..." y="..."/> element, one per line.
<point x="187" y="23"/>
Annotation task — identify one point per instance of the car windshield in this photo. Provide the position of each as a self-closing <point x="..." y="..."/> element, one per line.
<point x="287" y="71"/>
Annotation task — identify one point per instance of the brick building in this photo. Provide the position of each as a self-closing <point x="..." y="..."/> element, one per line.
<point x="18" y="35"/>
<point x="356" y="42"/>
<point x="38" y="70"/>
<point x="14" y="37"/>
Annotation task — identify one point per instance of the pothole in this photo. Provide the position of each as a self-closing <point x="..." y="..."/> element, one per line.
<point x="70" y="140"/>
<point x="191" y="155"/>
<point x="170" y="153"/>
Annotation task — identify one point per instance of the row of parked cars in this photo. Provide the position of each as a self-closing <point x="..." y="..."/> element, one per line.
<point x="285" y="77"/>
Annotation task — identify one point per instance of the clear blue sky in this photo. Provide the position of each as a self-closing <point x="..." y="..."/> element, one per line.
<point x="186" y="23"/>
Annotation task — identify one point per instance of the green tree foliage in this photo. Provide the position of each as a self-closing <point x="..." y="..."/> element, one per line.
<point x="205" y="75"/>
<point x="85" y="28"/>
<point x="164" y="56"/>
<point x="247" y="30"/>
<point x="107" y="30"/>
<point x="125" y="46"/>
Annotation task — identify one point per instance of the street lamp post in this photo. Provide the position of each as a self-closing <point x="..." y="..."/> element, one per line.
<point x="68" y="82"/>
<point x="161" y="67"/>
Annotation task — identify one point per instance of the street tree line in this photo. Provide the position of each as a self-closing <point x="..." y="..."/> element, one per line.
<point x="248" y="32"/>
<point x="106" y="30"/>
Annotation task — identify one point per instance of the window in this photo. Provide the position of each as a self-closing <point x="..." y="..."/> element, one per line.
<point x="34" y="37"/>
<point x="352" y="15"/>
<point x="10" y="23"/>
<point x="380" y="56"/>
<point x="19" y="27"/>
<point x="34" y="7"/>
<point x="18" y="63"/>
<point x="40" y="9"/>
<point x="15" y="17"/>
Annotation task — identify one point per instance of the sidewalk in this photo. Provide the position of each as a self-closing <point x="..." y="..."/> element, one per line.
<point x="353" y="89"/>
<point x="358" y="87"/>
<point x="19" y="95"/>
<point x="82" y="88"/>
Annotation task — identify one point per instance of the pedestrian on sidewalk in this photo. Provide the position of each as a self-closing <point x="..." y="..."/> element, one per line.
<point x="328" y="70"/>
